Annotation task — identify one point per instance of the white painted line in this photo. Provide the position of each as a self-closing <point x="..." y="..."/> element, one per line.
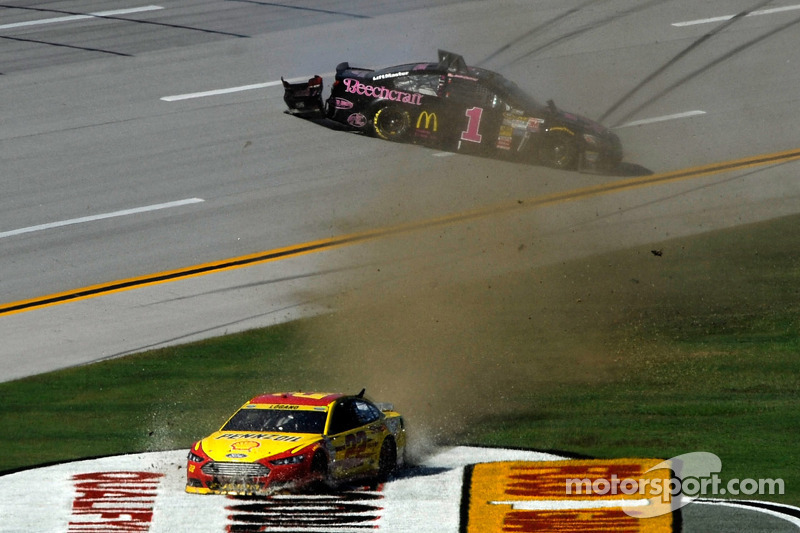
<point x="443" y="154"/>
<point x="217" y="92"/>
<point x="94" y="218"/>
<point x="789" y="516"/>
<point x="562" y="505"/>
<point x="661" y="119"/>
<point x="723" y="18"/>
<point x="71" y="18"/>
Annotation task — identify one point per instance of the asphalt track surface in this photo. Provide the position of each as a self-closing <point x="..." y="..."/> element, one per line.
<point x="149" y="138"/>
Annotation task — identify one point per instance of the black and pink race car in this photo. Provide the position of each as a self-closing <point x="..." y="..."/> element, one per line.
<point x="450" y="106"/>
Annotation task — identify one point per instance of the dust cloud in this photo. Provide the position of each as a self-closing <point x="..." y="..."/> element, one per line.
<point x="456" y="322"/>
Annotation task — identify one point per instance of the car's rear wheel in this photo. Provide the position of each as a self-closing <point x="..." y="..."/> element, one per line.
<point x="387" y="461"/>
<point x="391" y="123"/>
<point x="559" y="150"/>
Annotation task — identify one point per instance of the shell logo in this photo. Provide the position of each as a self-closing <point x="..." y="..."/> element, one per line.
<point x="244" y="445"/>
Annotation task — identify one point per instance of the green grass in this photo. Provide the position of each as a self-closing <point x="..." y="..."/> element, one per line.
<point x="153" y="401"/>
<point x="637" y="355"/>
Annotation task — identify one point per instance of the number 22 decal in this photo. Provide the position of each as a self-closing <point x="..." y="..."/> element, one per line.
<point x="471" y="134"/>
<point x="356" y="444"/>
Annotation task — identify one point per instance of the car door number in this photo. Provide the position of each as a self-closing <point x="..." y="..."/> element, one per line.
<point x="471" y="134"/>
<point x="355" y="444"/>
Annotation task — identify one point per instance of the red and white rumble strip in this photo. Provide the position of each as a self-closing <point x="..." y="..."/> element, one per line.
<point x="145" y="492"/>
<point x="457" y="490"/>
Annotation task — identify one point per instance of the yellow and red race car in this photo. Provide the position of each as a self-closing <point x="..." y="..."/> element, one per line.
<point x="293" y="440"/>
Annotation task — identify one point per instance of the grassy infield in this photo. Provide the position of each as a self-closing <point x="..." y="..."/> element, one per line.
<point x="711" y="363"/>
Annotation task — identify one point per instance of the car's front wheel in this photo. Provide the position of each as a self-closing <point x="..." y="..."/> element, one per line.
<point x="320" y="477"/>
<point x="391" y="123"/>
<point x="559" y="150"/>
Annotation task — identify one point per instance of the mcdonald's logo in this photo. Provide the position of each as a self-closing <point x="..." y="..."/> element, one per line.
<point x="429" y="118"/>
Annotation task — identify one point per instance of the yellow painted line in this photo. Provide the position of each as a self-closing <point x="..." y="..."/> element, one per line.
<point x="354" y="238"/>
<point x="173" y="275"/>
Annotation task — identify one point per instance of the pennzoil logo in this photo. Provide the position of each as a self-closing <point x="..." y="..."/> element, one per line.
<point x="523" y="496"/>
<point x="430" y="119"/>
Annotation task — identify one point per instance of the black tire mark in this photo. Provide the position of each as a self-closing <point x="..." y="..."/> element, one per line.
<point x="680" y="55"/>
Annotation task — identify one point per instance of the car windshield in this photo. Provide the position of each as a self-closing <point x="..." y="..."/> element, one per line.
<point x="277" y="420"/>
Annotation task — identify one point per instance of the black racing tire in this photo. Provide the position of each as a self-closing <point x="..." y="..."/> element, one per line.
<point x="560" y="150"/>
<point x="391" y="123"/>
<point x="320" y="476"/>
<point x="387" y="460"/>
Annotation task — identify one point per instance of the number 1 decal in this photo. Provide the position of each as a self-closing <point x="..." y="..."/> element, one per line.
<point x="471" y="133"/>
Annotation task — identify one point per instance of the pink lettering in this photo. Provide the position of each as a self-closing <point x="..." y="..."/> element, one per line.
<point x="377" y="91"/>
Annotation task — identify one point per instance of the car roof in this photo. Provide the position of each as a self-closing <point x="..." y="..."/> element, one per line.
<point x="406" y="68"/>
<point x="297" y="398"/>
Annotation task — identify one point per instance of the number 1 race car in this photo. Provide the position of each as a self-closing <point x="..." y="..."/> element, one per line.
<point x="294" y="440"/>
<point x="450" y="106"/>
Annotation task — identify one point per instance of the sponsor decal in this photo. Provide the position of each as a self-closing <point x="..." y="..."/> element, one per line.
<point x="462" y="77"/>
<point x="261" y="436"/>
<point x="376" y="91"/>
<point x="357" y="120"/>
<point x="244" y="445"/>
<point x="534" y="124"/>
<point x="429" y="119"/>
<point x="390" y="75"/>
<point x="504" y="143"/>
<point x="427" y="122"/>
<point x="113" y="501"/>
<point x="341" y="103"/>
<point x="525" y="496"/>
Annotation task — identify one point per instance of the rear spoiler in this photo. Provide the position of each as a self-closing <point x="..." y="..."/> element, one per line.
<point x="452" y="62"/>
<point x="344" y="69"/>
<point x="304" y="98"/>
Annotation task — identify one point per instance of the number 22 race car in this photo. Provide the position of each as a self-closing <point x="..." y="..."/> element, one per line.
<point x="298" y="440"/>
<point x="450" y="106"/>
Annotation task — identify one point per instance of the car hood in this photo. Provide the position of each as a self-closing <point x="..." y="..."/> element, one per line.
<point x="248" y="447"/>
